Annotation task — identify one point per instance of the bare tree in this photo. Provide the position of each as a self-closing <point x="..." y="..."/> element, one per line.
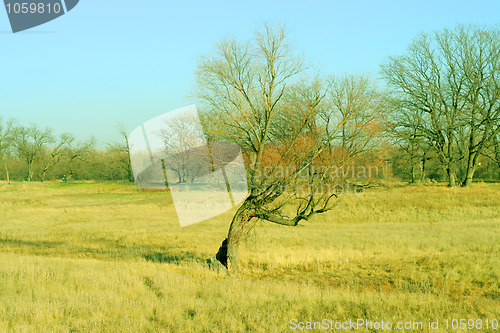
<point x="414" y="147"/>
<point x="78" y="152"/>
<point x="7" y="130"/>
<point x="357" y="104"/>
<point x="256" y="94"/>
<point x="479" y="59"/>
<point x="448" y="84"/>
<point x="29" y="144"/>
<point x="54" y="153"/>
<point x="494" y="153"/>
<point x="180" y="136"/>
<point x="122" y="152"/>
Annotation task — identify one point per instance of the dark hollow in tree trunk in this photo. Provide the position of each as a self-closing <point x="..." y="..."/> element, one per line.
<point x="222" y="253"/>
<point x="227" y="255"/>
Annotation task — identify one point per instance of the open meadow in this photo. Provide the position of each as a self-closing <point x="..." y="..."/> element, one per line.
<point x="106" y="257"/>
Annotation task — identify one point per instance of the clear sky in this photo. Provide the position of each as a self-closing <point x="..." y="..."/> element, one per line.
<point x="110" y="61"/>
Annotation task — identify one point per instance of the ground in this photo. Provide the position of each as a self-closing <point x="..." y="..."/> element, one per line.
<point x="113" y="258"/>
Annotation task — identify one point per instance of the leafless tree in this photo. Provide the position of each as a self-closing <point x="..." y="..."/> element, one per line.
<point x="479" y="59"/>
<point x="494" y="153"/>
<point x="257" y="94"/>
<point x="78" y="152"/>
<point x="121" y="150"/>
<point x="181" y="136"/>
<point x="7" y="130"/>
<point x="359" y="107"/>
<point x="53" y="154"/>
<point x="446" y="85"/>
<point x="413" y="145"/>
<point x="30" y="143"/>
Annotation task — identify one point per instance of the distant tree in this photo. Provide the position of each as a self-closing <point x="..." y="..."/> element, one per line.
<point x="359" y="107"/>
<point x="495" y="150"/>
<point x="493" y="154"/>
<point x="120" y="152"/>
<point x="7" y="129"/>
<point x="29" y="144"/>
<point x="480" y="56"/>
<point x="53" y="153"/>
<point x="410" y="141"/>
<point x="447" y="84"/>
<point x="78" y="152"/>
<point x="180" y="136"/>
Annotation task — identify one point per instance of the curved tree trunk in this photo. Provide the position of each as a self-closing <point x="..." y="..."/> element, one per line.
<point x="228" y="254"/>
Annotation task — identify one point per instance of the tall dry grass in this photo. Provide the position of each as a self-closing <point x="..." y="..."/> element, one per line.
<point x="112" y="258"/>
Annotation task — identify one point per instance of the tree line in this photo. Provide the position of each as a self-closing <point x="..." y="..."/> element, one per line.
<point x="33" y="153"/>
<point x="436" y="119"/>
<point x="445" y="103"/>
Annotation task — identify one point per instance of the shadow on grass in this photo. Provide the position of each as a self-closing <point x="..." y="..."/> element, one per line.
<point x="101" y="249"/>
<point x="23" y="243"/>
<point x="170" y="258"/>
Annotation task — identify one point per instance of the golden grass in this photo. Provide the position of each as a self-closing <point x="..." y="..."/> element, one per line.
<point x="112" y="258"/>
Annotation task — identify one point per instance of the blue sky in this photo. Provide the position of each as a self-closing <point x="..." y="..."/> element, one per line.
<point x="128" y="61"/>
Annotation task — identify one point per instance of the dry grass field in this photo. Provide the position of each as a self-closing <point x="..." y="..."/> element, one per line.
<point x="113" y="258"/>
